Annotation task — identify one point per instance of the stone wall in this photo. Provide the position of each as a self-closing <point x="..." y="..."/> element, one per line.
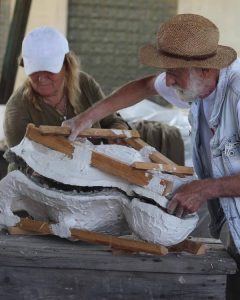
<point x="107" y="35"/>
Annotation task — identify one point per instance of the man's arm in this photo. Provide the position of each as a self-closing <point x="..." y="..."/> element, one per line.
<point x="127" y="95"/>
<point x="189" y="197"/>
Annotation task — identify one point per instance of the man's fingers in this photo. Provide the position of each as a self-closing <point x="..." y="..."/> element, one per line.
<point x="172" y="205"/>
<point x="179" y="212"/>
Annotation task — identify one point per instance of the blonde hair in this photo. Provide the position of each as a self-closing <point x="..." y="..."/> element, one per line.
<point x="71" y="83"/>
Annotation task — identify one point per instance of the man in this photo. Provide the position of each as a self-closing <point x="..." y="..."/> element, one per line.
<point x="200" y="71"/>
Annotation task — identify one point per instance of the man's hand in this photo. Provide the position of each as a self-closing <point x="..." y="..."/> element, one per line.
<point x="189" y="197"/>
<point x="77" y="125"/>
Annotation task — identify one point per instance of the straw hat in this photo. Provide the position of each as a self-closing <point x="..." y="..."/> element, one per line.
<point x="187" y="40"/>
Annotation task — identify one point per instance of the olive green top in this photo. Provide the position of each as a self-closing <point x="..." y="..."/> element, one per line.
<point x="20" y="111"/>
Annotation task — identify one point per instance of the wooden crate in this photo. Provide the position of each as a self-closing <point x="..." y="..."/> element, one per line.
<point x="47" y="267"/>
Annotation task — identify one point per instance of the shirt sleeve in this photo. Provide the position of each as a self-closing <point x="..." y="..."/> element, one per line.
<point x="167" y="93"/>
<point x="15" y="121"/>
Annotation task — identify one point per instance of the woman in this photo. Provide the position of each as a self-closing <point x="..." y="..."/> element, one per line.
<point x="55" y="89"/>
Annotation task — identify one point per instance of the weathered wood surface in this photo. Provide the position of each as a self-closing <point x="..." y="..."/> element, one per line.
<point x="44" y="267"/>
<point x="41" y="251"/>
<point x="69" y="284"/>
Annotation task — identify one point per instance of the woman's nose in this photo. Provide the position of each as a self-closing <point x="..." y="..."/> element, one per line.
<point x="170" y="80"/>
<point x="42" y="77"/>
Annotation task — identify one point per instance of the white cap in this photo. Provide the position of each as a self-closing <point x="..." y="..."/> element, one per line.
<point x="44" y="49"/>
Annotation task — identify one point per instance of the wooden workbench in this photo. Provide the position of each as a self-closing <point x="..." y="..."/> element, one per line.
<point x="47" y="267"/>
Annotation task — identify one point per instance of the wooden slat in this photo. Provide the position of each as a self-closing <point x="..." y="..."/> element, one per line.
<point x="163" y="168"/>
<point x="118" y="168"/>
<point x="30" y="227"/>
<point x="18" y="231"/>
<point x="98" y="238"/>
<point x="91" y="132"/>
<point x="100" y="161"/>
<point x="58" y="143"/>
<point x="155" y="156"/>
<point x="193" y="247"/>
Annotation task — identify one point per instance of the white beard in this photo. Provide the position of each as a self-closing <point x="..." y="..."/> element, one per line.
<point x="186" y="95"/>
<point x="197" y="86"/>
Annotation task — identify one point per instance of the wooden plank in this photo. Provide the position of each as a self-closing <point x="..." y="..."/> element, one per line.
<point x="155" y="156"/>
<point x="132" y="175"/>
<point x="91" y="132"/>
<point x="93" y="237"/>
<point x="33" y="251"/>
<point x="67" y="284"/>
<point x="163" y="168"/>
<point x="58" y="143"/>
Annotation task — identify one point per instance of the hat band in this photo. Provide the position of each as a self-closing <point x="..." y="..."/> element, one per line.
<point x="199" y="57"/>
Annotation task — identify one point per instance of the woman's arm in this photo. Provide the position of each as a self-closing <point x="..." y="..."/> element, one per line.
<point x="15" y="121"/>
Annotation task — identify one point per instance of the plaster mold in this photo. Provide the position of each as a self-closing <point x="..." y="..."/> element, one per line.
<point x="154" y="225"/>
<point x="98" y="211"/>
<point x="59" y="167"/>
<point x="109" y="209"/>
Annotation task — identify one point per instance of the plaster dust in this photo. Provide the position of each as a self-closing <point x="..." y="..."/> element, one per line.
<point x="110" y="210"/>
<point x="120" y="132"/>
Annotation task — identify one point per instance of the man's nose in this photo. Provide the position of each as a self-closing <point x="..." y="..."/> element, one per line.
<point x="170" y="80"/>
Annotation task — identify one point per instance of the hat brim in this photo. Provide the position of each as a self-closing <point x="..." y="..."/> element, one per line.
<point x="48" y="64"/>
<point x="150" y="56"/>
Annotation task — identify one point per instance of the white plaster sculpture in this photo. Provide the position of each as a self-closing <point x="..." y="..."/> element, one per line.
<point x="116" y="208"/>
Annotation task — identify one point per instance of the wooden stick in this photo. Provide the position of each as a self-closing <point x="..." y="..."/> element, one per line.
<point x="58" y="143"/>
<point x="163" y="167"/>
<point x="18" y="231"/>
<point x="97" y="238"/>
<point x="31" y="227"/>
<point x="91" y="132"/>
<point x="118" y="168"/>
<point x="155" y="156"/>
<point x="196" y="248"/>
